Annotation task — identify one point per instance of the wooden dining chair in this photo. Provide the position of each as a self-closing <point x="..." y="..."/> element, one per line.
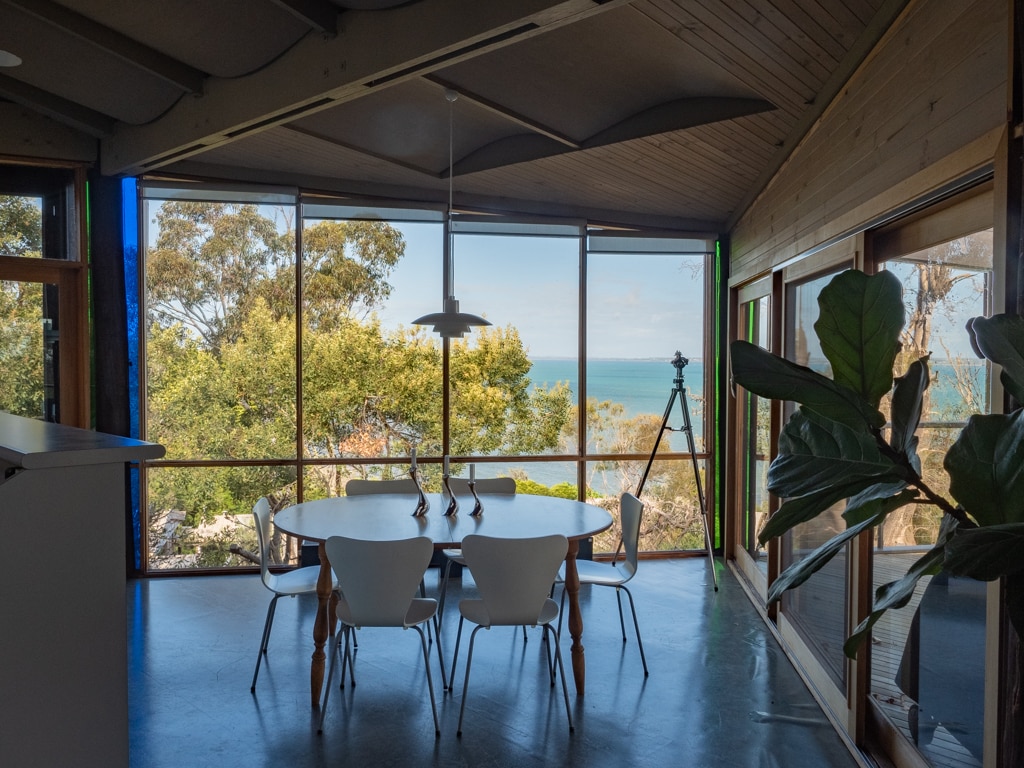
<point x="301" y="581"/>
<point x="377" y="580"/>
<point x="513" y="577"/>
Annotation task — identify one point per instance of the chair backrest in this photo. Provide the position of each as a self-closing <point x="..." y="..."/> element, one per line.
<point x="514" y="576"/>
<point x="630" y="511"/>
<point x="261" y="512"/>
<point x="358" y="487"/>
<point x="379" y="579"/>
<point x="460" y="486"/>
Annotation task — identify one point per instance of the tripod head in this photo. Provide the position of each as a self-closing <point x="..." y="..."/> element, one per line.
<point x="679" y="362"/>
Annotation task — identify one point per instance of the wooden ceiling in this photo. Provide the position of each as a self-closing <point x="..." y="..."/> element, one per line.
<point x="664" y="113"/>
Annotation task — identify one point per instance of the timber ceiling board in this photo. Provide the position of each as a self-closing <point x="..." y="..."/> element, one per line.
<point x="658" y="112"/>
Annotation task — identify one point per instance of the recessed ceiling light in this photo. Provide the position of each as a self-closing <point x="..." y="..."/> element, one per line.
<point x="8" y="59"/>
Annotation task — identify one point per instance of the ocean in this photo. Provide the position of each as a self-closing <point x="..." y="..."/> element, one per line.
<point x="641" y="387"/>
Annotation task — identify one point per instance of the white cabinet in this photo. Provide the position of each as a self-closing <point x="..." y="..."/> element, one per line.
<point x="63" y="632"/>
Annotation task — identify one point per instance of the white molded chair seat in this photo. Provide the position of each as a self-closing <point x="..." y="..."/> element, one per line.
<point x="513" y="577"/>
<point x="301" y="581"/>
<point x="616" y="574"/>
<point x="378" y="582"/>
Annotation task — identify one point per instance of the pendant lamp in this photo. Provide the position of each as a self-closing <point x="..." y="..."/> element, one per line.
<point x="450" y="323"/>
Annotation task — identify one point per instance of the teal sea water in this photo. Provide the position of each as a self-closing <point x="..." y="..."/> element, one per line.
<point x="641" y="386"/>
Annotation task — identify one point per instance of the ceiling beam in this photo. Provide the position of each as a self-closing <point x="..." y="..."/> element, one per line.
<point x="322" y="71"/>
<point x="321" y="15"/>
<point x="69" y="113"/>
<point x="176" y="73"/>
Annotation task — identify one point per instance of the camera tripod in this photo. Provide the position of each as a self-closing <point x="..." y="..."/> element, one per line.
<point x="679" y="392"/>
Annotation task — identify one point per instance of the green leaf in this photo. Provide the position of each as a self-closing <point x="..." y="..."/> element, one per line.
<point x="799" y="572"/>
<point x="986" y="468"/>
<point x="771" y="376"/>
<point x="1000" y="338"/>
<point x="987" y="553"/>
<point x="859" y="329"/>
<point x="895" y="594"/>
<point x="907" y="399"/>
<point x="867" y="503"/>
<point x="816" y="452"/>
<point x="800" y="509"/>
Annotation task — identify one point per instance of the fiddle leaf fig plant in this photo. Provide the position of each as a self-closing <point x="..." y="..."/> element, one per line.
<point x="839" y="447"/>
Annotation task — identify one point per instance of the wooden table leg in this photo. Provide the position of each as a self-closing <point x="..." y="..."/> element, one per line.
<point x="324" y="594"/>
<point x="572" y="587"/>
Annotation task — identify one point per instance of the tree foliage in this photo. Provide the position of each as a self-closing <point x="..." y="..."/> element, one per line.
<point x="21" y="308"/>
<point x="223" y="362"/>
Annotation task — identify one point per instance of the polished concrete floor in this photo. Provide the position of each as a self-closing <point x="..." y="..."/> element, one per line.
<point x="720" y="692"/>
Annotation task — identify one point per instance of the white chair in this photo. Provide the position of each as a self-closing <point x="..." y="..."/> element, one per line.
<point x="301" y="581"/>
<point x="378" y="582"/>
<point x="359" y="487"/>
<point x="616" y="574"/>
<point x="453" y="556"/>
<point x="513" y="577"/>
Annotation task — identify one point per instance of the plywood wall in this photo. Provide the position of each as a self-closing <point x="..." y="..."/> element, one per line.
<point x="926" y="107"/>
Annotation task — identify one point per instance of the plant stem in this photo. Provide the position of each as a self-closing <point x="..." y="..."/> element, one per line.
<point x="915" y="479"/>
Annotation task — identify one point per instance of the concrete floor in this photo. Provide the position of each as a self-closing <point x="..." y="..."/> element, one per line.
<point x="721" y="694"/>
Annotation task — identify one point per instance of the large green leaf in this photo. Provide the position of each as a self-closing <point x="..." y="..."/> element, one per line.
<point x="986" y="553"/>
<point x="859" y="329"/>
<point x="773" y="377"/>
<point x="1000" y="338"/>
<point x="895" y="594"/>
<point x="802" y="570"/>
<point x="800" y="509"/>
<point x="986" y="468"/>
<point x="816" y="452"/>
<point x="907" y="399"/>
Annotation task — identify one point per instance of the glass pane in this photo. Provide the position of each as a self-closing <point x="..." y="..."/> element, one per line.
<point x="637" y="306"/>
<point x="28" y="350"/>
<point x="371" y="381"/>
<point x="513" y="384"/>
<point x="220" y="343"/>
<point x="818" y="607"/>
<point x="755" y="438"/>
<point x="672" y="513"/>
<point x="928" y="688"/>
<point x="201" y="517"/>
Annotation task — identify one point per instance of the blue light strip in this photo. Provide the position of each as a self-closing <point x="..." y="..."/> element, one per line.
<point x="130" y="247"/>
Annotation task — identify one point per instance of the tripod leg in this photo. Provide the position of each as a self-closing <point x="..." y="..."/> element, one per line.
<point x="657" y="442"/>
<point x="688" y="429"/>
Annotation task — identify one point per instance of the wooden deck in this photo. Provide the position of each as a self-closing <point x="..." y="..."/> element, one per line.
<point x="889" y="640"/>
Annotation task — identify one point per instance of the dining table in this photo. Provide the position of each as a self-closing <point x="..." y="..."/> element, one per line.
<point x="383" y="517"/>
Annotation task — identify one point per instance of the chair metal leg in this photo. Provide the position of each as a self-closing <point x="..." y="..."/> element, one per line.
<point x="465" y="684"/>
<point x="618" y="601"/>
<point x="264" y="640"/>
<point x="443" y="590"/>
<point x="330" y="678"/>
<point x="430" y="681"/>
<point x="561" y="670"/>
<point x="636" y="626"/>
<point x="455" y="656"/>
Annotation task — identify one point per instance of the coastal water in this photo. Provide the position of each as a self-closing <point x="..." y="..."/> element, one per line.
<point x="641" y="387"/>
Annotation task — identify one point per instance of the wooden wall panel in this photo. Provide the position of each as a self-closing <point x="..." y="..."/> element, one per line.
<point x="932" y="94"/>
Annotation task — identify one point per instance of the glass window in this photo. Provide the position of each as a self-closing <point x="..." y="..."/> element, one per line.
<point x="927" y="659"/>
<point x="283" y="376"/>
<point x="818" y="606"/>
